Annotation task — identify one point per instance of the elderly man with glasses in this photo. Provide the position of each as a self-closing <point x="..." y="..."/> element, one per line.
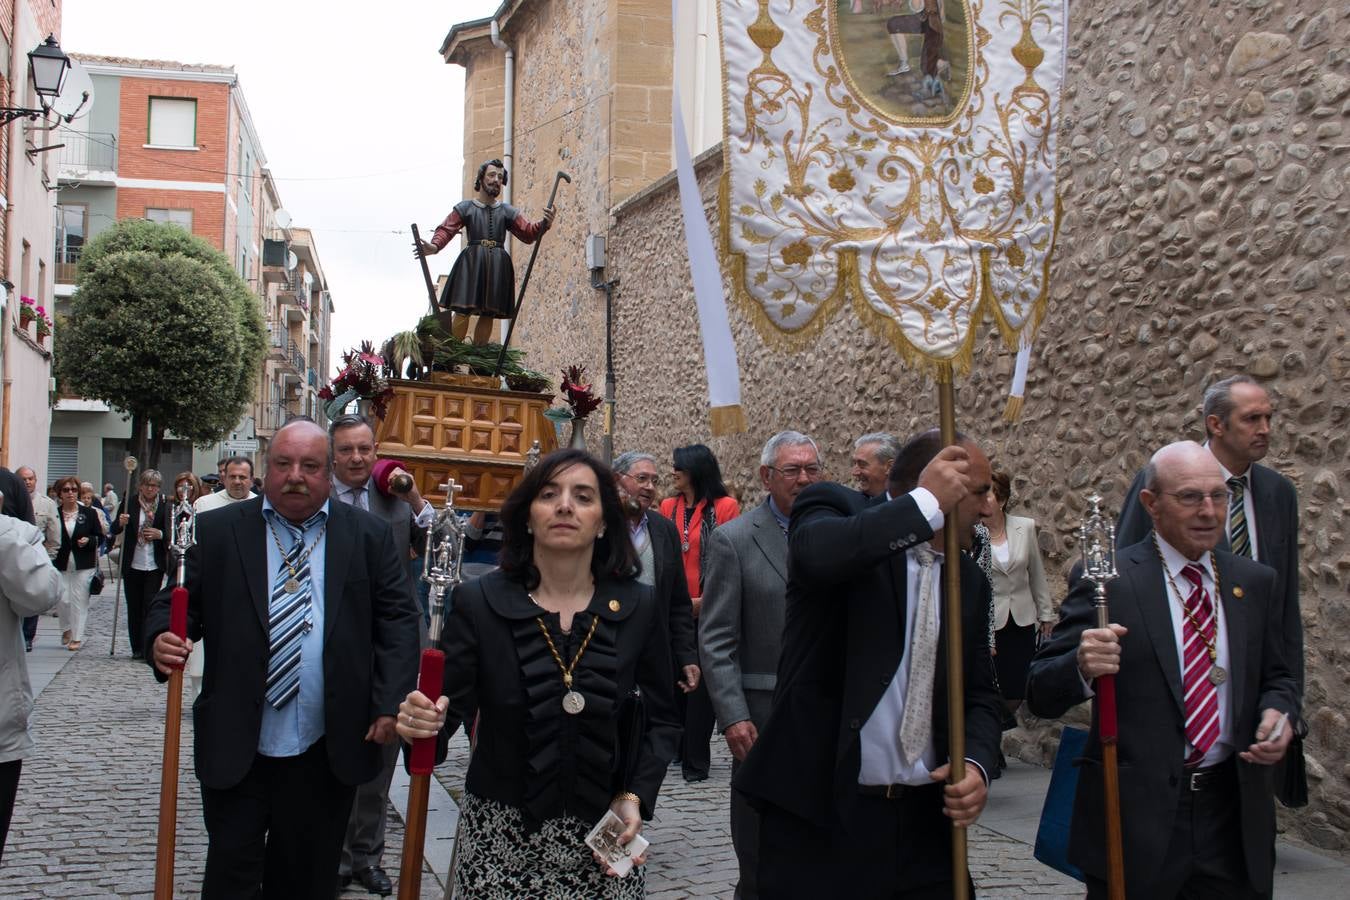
<point x="658" y="545"/>
<point x="744" y="604"/>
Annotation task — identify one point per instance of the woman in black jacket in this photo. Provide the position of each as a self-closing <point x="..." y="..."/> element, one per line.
<point x="565" y="657"/>
<point x="76" y="558"/>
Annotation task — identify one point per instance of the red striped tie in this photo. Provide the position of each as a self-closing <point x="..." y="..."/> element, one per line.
<point x="1202" y="697"/>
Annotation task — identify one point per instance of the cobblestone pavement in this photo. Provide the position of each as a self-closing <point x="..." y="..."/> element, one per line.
<point x="86" y="817"/>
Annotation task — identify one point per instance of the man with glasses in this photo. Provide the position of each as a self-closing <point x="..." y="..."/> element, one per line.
<point x="658" y="545"/>
<point x="743" y="610"/>
<point x="1262" y="524"/>
<point x="1206" y="696"/>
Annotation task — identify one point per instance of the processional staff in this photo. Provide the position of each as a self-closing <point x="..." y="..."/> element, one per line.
<point x="130" y="465"/>
<point x="1098" y="539"/>
<point x="442" y="566"/>
<point x="184" y="524"/>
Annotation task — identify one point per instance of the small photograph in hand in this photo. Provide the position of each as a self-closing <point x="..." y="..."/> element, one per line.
<point x="604" y="840"/>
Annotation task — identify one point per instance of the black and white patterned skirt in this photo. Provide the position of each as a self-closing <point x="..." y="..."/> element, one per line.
<point x="498" y="860"/>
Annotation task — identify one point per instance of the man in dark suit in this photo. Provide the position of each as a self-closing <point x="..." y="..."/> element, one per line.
<point x="658" y="545"/>
<point x="17" y="502"/>
<point x="351" y="441"/>
<point x="1204" y="697"/>
<point x="313" y="644"/>
<point x="1262" y="524"/>
<point x="144" y="517"/>
<point x="741" y="631"/>
<point x="847" y="773"/>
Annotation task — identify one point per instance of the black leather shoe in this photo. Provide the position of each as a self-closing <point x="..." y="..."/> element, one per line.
<point x="375" y="881"/>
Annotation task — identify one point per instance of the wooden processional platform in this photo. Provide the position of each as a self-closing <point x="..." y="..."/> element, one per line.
<point x="464" y="427"/>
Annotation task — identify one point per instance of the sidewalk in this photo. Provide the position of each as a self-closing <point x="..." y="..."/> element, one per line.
<point x="85" y="821"/>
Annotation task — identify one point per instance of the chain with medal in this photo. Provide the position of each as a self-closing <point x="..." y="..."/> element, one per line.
<point x="572" y="702"/>
<point x="687" y="516"/>
<point x="1217" y="673"/>
<point x="292" y="584"/>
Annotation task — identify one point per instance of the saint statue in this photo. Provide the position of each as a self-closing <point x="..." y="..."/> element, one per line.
<point x="482" y="282"/>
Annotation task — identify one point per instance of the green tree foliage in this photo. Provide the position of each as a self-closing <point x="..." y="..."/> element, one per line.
<point x="162" y="329"/>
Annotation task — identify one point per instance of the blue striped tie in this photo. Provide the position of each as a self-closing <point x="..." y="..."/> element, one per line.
<point x="289" y="616"/>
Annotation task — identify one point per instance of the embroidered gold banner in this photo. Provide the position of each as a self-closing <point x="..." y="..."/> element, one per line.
<point x="895" y="156"/>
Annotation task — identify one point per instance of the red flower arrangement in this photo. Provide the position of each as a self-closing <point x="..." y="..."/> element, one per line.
<point x="360" y="379"/>
<point x="578" y="394"/>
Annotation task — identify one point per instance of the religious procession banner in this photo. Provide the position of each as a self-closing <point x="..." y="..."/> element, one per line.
<point x="896" y="157"/>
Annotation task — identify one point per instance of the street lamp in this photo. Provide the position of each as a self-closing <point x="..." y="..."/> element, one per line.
<point x="47" y="66"/>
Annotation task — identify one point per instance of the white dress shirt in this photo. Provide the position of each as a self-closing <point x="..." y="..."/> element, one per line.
<point x="882" y="761"/>
<point x="1174" y="562"/>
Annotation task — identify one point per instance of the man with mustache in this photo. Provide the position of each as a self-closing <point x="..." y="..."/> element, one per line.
<point x="482" y="282"/>
<point x="1262" y="524"/>
<point x="313" y="644"/>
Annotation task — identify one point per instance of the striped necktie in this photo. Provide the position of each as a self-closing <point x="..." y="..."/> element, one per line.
<point x="290" y="616"/>
<point x="1201" y="695"/>
<point x="916" y="722"/>
<point x="1239" y="540"/>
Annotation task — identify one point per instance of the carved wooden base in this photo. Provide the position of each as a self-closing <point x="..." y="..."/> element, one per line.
<point x="478" y="436"/>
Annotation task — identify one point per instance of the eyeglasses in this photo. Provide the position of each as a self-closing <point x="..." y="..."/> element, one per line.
<point x="792" y="473"/>
<point x="70" y="490"/>
<point x="645" y="480"/>
<point x="1193" y="499"/>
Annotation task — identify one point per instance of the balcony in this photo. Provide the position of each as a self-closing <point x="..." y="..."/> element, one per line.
<point x="274" y="415"/>
<point x="87" y="157"/>
<point x="67" y="264"/>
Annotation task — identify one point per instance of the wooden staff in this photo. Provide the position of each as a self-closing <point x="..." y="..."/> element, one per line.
<point x="130" y="465"/>
<point x="951" y="612"/>
<point x="441" y="566"/>
<point x="525" y="282"/>
<point x="184" y="537"/>
<point x="1098" y="539"/>
<point x="426" y="272"/>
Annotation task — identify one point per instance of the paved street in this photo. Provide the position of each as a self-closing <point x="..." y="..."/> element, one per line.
<point x="86" y="817"/>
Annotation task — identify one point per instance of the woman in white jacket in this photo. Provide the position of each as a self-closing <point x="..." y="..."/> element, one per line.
<point x="29" y="586"/>
<point x="1021" y="597"/>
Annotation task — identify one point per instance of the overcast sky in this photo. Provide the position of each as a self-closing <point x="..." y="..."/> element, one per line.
<point x="359" y="117"/>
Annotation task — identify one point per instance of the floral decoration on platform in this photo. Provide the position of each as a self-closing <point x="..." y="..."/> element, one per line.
<point x="360" y="379"/>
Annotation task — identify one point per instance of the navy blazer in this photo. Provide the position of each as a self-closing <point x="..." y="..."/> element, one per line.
<point x="133" y="529"/>
<point x="88" y="523"/>
<point x="370" y="645"/>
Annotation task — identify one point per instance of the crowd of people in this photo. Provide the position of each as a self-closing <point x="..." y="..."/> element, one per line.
<point x="631" y="614"/>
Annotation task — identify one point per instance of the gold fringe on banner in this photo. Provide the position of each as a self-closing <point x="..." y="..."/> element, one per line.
<point x="727" y="420"/>
<point x="1013" y="410"/>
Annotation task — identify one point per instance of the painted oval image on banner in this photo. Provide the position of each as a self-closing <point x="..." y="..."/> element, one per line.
<point x="909" y="59"/>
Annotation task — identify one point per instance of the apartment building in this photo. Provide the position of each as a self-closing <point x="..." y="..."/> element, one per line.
<point x="175" y="143"/>
<point x="26" y="174"/>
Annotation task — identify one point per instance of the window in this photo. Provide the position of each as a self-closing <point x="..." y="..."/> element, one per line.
<point x="173" y="122"/>
<point x="180" y="217"/>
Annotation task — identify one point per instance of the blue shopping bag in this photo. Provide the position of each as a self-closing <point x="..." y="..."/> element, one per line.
<point x="1052" y="835"/>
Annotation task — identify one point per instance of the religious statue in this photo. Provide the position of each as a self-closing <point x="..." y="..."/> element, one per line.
<point x="482" y="282"/>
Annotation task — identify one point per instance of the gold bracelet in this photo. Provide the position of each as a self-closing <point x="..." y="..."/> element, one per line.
<point x="629" y="795"/>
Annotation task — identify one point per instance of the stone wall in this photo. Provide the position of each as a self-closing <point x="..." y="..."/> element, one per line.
<point x="1204" y="168"/>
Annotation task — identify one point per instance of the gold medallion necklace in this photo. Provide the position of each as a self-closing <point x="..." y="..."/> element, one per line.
<point x="1217" y="673"/>
<point x="572" y="702"/>
<point x="292" y="584"/>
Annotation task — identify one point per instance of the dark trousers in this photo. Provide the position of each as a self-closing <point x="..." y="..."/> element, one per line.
<point x="363" y="846"/>
<point x="30" y="624"/>
<point x="141" y="588"/>
<point x="886" y="849"/>
<point x="278" y="833"/>
<point x="745" y="839"/>
<point x="9" y="789"/>
<point x="696" y="711"/>
<point x="1204" y="856"/>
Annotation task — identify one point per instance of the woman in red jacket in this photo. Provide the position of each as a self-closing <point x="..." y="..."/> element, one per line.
<point x="701" y="504"/>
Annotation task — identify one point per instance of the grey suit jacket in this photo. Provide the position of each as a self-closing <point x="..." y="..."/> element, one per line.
<point x="744" y="602"/>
